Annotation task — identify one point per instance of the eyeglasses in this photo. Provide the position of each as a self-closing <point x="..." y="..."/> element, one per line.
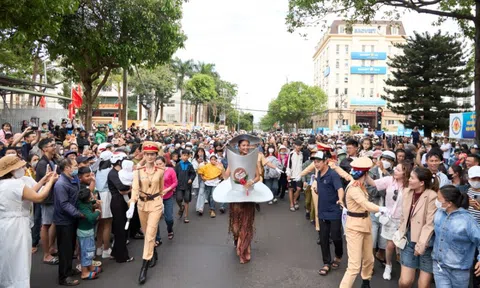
<point x="395" y="195"/>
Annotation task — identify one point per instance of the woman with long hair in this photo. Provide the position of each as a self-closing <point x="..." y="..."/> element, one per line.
<point x="170" y="183"/>
<point x="393" y="185"/>
<point x="105" y="223"/>
<point x="282" y="182"/>
<point x="416" y="227"/>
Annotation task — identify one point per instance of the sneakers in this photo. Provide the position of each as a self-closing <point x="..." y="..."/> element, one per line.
<point x="222" y="210"/>
<point x="297" y="206"/>
<point x="106" y="253"/>
<point x="275" y="200"/>
<point x="99" y="251"/>
<point x="270" y="203"/>
<point x="292" y="209"/>
<point x="387" y="274"/>
<point x="212" y="214"/>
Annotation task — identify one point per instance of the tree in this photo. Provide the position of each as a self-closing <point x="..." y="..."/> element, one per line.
<point x="183" y="70"/>
<point x="154" y="88"/>
<point x="297" y="101"/>
<point x="431" y="68"/>
<point x="226" y="93"/>
<point x="199" y="90"/>
<point x="267" y="122"/>
<point x="466" y="13"/>
<point x="104" y="35"/>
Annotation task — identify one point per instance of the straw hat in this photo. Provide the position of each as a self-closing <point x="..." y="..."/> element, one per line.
<point x="361" y="164"/>
<point x="9" y="164"/>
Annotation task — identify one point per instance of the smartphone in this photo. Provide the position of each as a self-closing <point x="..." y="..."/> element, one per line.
<point x="476" y="197"/>
<point x="55" y="168"/>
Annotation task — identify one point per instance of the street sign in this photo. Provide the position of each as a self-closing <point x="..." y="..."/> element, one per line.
<point x="379" y="133"/>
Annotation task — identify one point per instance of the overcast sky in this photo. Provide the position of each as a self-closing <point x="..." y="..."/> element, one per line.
<point x="250" y="46"/>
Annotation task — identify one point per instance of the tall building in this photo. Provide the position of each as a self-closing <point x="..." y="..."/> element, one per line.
<point x="350" y="65"/>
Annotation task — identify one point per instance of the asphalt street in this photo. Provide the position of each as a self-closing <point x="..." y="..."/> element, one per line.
<point x="202" y="255"/>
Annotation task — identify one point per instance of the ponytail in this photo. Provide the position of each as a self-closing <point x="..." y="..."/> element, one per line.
<point x="453" y="194"/>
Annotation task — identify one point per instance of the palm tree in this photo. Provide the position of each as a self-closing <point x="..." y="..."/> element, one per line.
<point x="182" y="69"/>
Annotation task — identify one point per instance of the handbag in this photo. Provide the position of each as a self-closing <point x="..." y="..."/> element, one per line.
<point x="399" y="241"/>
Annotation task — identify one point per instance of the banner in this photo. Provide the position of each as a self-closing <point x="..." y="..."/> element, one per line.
<point x="368" y="70"/>
<point x="462" y="125"/>
<point x="369" y="55"/>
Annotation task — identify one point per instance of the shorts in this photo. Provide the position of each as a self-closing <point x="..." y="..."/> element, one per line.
<point x="184" y="195"/>
<point x="295" y="185"/>
<point x="423" y="262"/>
<point x="47" y="214"/>
<point x="87" y="250"/>
<point x="106" y="197"/>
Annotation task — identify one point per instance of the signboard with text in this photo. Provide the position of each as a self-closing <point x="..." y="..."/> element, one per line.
<point x="462" y="125"/>
<point x="369" y="55"/>
<point x="365" y="30"/>
<point x="368" y="102"/>
<point x="368" y="70"/>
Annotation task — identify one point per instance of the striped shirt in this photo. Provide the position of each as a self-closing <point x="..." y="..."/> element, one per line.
<point x="476" y="196"/>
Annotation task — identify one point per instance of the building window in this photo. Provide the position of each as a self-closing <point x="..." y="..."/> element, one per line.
<point x="346" y="49"/>
<point x="346" y="78"/>
<point x="372" y="62"/>
<point x="336" y="105"/>
<point x="371" y="92"/>
<point x="363" y="48"/>
<point x="372" y="48"/>
<point x="363" y="63"/>
<point x="363" y="92"/>
<point x="391" y="122"/>
<point x="372" y="79"/>
<point x="346" y="64"/>
<point x="341" y="30"/>
<point x="336" y="91"/>
<point x="345" y="91"/>
<point x="337" y="78"/>
<point x="170" y="117"/>
<point x="345" y="122"/>
<point x="338" y="49"/>
<point x="337" y="63"/>
<point x="394" y="30"/>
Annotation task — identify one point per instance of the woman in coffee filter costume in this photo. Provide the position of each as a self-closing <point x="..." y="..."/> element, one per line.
<point x="242" y="190"/>
<point x="147" y="192"/>
<point x="359" y="225"/>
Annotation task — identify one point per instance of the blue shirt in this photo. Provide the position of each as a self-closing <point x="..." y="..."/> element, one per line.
<point x="65" y="200"/>
<point x="456" y="237"/>
<point x="327" y="188"/>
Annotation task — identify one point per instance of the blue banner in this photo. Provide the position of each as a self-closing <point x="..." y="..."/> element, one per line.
<point x="462" y="125"/>
<point x="368" y="102"/>
<point x="468" y="127"/>
<point x="326" y="72"/>
<point x="369" y="55"/>
<point x="368" y="70"/>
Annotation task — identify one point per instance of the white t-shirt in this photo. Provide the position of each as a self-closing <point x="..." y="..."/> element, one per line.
<point x="446" y="154"/>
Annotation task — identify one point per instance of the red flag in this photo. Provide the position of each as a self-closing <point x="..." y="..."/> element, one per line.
<point x="43" y="102"/>
<point x="76" y="98"/>
<point x="71" y="111"/>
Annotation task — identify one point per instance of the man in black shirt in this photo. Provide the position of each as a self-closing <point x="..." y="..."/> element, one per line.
<point x="415" y="136"/>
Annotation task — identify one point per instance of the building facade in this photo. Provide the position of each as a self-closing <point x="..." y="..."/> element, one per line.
<point x="351" y="65"/>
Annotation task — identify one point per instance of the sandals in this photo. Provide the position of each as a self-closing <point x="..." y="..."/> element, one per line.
<point x="70" y="282"/>
<point x="158" y="243"/>
<point x="53" y="261"/>
<point x="186" y="220"/>
<point x="170" y="235"/>
<point x="336" y="263"/>
<point x="91" y="276"/>
<point x="130" y="259"/>
<point x="324" y="271"/>
<point x="97" y="270"/>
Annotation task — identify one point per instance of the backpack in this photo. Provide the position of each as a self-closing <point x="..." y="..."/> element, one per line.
<point x="271" y="173"/>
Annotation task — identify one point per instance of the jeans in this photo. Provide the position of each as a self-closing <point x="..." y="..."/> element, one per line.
<point x="201" y="196"/>
<point x="87" y="250"/>
<point x="37" y="224"/>
<point x="446" y="277"/>
<point x="209" y="196"/>
<point x="168" y="215"/>
<point x="378" y="241"/>
<point x="272" y="184"/>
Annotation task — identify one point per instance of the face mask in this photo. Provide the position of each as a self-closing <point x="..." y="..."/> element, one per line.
<point x="19" y="173"/>
<point x="270" y="150"/>
<point x="357" y="174"/>
<point x="34" y="164"/>
<point x="283" y="153"/>
<point x="450" y="176"/>
<point x="474" y="184"/>
<point x="386" y="164"/>
<point x="183" y="146"/>
<point x="188" y="148"/>
<point x="439" y="205"/>
<point x="74" y="172"/>
<point x="128" y="149"/>
<point x="171" y="150"/>
<point x="60" y="152"/>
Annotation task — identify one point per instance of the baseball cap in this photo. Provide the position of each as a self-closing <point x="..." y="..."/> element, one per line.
<point x="81" y="159"/>
<point x="318" y="156"/>
<point x="106" y="155"/>
<point x="474" y="146"/>
<point x="69" y="152"/>
<point x="474" y="172"/>
<point x="104" y="146"/>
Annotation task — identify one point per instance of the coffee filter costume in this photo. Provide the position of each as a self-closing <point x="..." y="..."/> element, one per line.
<point x="242" y="170"/>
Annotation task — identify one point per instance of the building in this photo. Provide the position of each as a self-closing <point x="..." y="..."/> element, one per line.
<point x="350" y="65"/>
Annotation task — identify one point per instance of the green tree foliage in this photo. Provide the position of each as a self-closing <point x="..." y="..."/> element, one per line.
<point x="431" y="68"/>
<point x="154" y="88"/>
<point x="297" y="102"/>
<point x="267" y="122"/>
<point x="303" y="13"/>
<point x="200" y="89"/>
<point x="108" y="34"/>
<point x="182" y="70"/>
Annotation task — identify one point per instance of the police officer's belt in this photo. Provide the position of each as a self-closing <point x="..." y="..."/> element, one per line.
<point x="149" y="197"/>
<point x="357" y="215"/>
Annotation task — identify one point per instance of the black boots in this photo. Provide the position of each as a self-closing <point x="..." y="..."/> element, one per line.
<point x="154" y="259"/>
<point x="366" y="284"/>
<point x="143" y="272"/>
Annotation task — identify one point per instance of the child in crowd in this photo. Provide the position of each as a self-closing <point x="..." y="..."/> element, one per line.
<point x="185" y="175"/>
<point x="211" y="174"/>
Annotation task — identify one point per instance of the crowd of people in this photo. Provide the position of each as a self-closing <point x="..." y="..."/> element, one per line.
<point x="83" y="195"/>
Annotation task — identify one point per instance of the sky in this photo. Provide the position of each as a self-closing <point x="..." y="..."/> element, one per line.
<point x="249" y="44"/>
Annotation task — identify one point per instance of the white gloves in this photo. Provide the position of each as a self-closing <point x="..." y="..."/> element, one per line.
<point x="384" y="211"/>
<point x="130" y="211"/>
<point x="279" y="170"/>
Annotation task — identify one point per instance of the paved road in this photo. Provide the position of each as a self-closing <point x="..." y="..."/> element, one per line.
<point x="284" y="254"/>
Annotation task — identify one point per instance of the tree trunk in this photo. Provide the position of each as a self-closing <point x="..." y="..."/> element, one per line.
<point x="195" y="119"/>
<point x="477" y="71"/>
<point x="161" y="112"/>
<point x="34" y="74"/>
<point x="88" y="104"/>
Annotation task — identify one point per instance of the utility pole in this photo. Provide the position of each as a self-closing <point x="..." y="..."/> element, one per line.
<point x="238" y="115"/>
<point x="124" y="100"/>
